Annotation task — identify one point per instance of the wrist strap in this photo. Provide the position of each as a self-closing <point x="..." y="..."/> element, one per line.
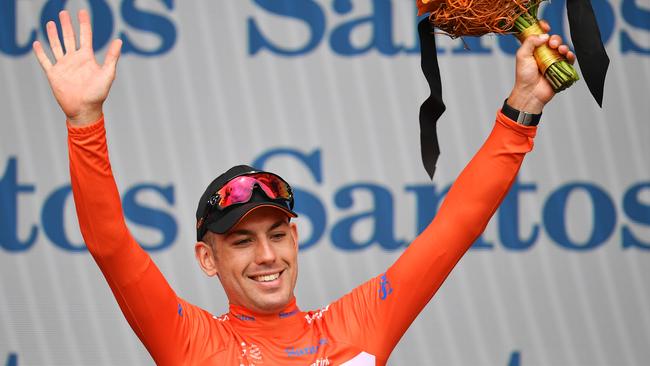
<point x="523" y="118"/>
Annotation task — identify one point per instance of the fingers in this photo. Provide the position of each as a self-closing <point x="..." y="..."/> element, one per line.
<point x="41" y="56"/>
<point x="69" y="41"/>
<point x="85" y="30"/>
<point x="68" y="33"/>
<point x="570" y="56"/>
<point x="529" y="44"/>
<point x="113" y="54"/>
<point x="53" y="38"/>
<point x="555" y="42"/>
<point x="545" y="26"/>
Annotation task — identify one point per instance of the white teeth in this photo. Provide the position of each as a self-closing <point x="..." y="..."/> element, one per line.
<point x="267" y="278"/>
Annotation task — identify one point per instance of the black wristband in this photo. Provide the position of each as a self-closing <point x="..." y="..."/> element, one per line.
<point x="523" y="118"/>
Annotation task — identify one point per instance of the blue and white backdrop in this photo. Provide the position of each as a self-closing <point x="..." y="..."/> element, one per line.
<point x="327" y="93"/>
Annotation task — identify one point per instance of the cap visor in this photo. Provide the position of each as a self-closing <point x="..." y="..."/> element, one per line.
<point x="233" y="217"/>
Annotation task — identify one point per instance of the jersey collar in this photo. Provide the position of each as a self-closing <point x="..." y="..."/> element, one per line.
<point x="286" y="320"/>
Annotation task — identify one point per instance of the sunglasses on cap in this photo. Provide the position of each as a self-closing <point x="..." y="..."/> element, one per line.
<point x="240" y="190"/>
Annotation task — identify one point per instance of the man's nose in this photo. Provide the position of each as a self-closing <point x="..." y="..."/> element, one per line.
<point x="265" y="253"/>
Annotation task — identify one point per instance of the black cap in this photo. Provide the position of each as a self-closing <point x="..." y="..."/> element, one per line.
<point x="220" y="221"/>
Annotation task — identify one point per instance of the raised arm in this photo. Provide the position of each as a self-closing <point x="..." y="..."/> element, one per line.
<point x="162" y="321"/>
<point x="384" y="307"/>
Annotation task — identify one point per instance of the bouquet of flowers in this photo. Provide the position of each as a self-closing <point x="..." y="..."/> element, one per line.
<point x="459" y="18"/>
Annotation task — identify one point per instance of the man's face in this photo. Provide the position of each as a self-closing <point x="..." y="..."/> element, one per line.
<point x="256" y="260"/>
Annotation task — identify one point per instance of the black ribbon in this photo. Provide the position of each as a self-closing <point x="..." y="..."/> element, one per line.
<point x="433" y="107"/>
<point x="588" y="46"/>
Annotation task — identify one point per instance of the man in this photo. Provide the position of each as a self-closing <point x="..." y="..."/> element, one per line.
<point x="246" y="239"/>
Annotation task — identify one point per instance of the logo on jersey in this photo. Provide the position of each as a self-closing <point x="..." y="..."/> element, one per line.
<point x="245" y="318"/>
<point x="316" y="315"/>
<point x="385" y="288"/>
<point x="321" y="362"/>
<point x="251" y="354"/>
<point x="222" y="318"/>
<point x="309" y="350"/>
<point x="288" y="314"/>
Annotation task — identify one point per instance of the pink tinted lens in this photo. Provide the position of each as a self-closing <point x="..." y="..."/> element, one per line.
<point x="273" y="186"/>
<point x="240" y="189"/>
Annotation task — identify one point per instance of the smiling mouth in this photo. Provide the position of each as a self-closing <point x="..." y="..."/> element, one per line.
<point x="267" y="278"/>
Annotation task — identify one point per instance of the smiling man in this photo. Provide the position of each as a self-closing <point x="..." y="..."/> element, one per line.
<point x="246" y="239"/>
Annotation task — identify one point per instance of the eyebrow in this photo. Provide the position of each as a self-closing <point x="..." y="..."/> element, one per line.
<point x="278" y="224"/>
<point x="249" y="232"/>
<point x="239" y="232"/>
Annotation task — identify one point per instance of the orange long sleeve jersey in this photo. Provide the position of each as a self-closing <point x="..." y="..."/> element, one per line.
<point x="361" y="328"/>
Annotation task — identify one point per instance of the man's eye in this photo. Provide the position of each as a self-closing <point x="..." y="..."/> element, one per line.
<point x="278" y="236"/>
<point x="243" y="241"/>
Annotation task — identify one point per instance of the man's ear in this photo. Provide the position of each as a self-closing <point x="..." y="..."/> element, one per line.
<point x="206" y="258"/>
<point x="294" y="233"/>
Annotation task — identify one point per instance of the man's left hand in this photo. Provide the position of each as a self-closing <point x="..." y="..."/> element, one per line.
<point x="532" y="91"/>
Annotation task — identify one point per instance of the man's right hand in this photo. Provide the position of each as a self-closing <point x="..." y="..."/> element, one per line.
<point x="79" y="84"/>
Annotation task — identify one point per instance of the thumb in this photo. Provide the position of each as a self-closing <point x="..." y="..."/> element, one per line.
<point x="112" y="55"/>
<point x="530" y="43"/>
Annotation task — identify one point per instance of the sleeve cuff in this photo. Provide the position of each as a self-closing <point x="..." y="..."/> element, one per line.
<point x="86" y="129"/>
<point x="529" y="131"/>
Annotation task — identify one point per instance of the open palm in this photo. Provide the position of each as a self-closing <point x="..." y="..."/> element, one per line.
<point x="79" y="84"/>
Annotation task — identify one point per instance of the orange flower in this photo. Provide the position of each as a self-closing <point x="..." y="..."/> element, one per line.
<point x="428" y="6"/>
